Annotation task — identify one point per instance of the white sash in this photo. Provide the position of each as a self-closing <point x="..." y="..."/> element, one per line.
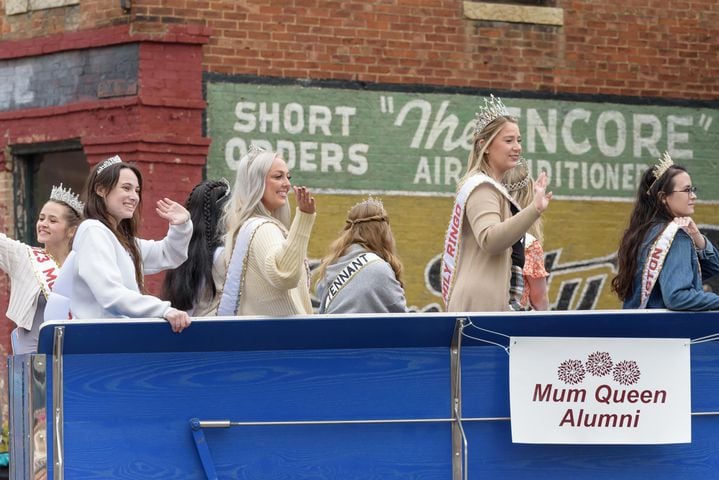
<point x="345" y="275"/>
<point x="58" y="302"/>
<point x="655" y="261"/>
<point x="230" y="300"/>
<point x="452" y="239"/>
<point x="44" y="267"/>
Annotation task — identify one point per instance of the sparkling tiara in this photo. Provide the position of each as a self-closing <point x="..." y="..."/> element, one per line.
<point x="521" y="184"/>
<point x="110" y="161"/>
<point x="375" y="218"/>
<point x="66" y="196"/>
<point x="660" y="168"/>
<point x="662" y="165"/>
<point x="492" y="108"/>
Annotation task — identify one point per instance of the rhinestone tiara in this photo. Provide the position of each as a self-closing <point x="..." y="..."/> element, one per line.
<point x="110" y="161"/>
<point x="521" y="184"/>
<point x="492" y="108"/>
<point x="374" y="201"/>
<point x="66" y="196"/>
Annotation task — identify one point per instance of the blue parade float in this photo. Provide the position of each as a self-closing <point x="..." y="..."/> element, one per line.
<point x="420" y="396"/>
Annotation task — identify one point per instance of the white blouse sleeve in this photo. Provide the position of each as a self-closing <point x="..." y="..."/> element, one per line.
<point x="170" y="252"/>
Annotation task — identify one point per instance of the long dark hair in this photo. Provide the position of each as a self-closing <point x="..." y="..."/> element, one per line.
<point x="126" y="230"/>
<point x="205" y="205"/>
<point x="649" y="210"/>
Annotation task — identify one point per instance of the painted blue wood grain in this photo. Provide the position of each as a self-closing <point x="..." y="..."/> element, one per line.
<point x="137" y="407"/>
<point x="492" y="455"/>
<point x="132" y="386"/>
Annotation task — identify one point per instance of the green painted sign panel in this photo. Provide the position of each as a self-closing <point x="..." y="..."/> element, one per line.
<point x="338" y="140"/>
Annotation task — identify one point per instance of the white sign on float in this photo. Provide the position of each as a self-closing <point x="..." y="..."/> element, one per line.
<point x="600" y="390"/>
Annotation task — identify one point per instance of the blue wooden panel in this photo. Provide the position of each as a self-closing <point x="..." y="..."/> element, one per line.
<point x="131" y="387"/>
<point x="252" y="333"/>
<point x="127" y="415"/>
<point x="492" y="455"/>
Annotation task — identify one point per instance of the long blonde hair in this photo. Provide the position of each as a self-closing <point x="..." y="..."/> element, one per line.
<point x="477" y="160"/>
<point x="520" y="186"/>
<point x="367" y="224"/>
<point x="246" y="198"/>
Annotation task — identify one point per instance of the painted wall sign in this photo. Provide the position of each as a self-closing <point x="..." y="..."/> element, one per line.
<point x="410" y="148"/>
<point x="418" y="143"/>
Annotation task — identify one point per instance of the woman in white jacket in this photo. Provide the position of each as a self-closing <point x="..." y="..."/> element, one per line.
<point x="33" y="270"/>
<point x="110" y="261"/>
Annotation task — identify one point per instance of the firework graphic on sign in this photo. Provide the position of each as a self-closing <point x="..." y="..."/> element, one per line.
<point x="571" y="372"/>
<point x="626" y="372"/>
<point x="599" y="364"/>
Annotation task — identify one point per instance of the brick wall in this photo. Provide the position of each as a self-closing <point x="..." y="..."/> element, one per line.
<point x="648" y="48"/>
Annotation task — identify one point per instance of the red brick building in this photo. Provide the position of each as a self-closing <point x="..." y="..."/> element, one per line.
<point x="81" y="80"/>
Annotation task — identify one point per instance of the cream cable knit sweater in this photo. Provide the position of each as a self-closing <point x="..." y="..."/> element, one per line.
<point x="24" y="287"/>
<point x="276" y="281"/>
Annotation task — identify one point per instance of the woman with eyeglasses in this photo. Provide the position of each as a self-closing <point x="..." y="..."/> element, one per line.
<point x="663" y="256"/>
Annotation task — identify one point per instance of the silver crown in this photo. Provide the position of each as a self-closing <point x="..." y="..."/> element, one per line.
<point x="66" y="196"/>
<point x="521" y="184"/>
<point x="110" y="161"/>
<point x="516" y="186"/>
<point x="369" y="200"/>
<point x="492" y="108"/>
<point x="255" y="150"/>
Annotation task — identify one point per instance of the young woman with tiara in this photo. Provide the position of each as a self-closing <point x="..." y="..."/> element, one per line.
<point x="663" y="256"/>
<point x="520" y="186"/>
<point x="33" y="270"/>
<point x="265" y="254"/>
<point x="109" y="264"/>
<point x="362" y="273"/>
<point x="486" y="222"/>
<point x="194" y="285"/>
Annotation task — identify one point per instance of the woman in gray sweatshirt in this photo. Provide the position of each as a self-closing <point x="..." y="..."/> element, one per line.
<point x="362" y="273"/>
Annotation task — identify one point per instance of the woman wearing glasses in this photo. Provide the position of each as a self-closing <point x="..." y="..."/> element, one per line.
<point x="663" y="256"/>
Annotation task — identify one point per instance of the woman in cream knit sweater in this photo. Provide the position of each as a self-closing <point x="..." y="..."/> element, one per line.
<point x="33" y="270"/>
<point x="265" y="254"/>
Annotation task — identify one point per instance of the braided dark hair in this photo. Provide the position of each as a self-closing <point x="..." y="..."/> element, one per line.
<point x="192" y="280"/>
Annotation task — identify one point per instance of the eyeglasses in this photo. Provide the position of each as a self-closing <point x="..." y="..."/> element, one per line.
<point x="688" y="190"/>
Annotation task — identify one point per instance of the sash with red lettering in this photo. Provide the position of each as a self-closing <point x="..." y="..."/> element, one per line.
<point x="655" y="261"/>
<point x="450" y="256"/>
<point x="44" y="267"/>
